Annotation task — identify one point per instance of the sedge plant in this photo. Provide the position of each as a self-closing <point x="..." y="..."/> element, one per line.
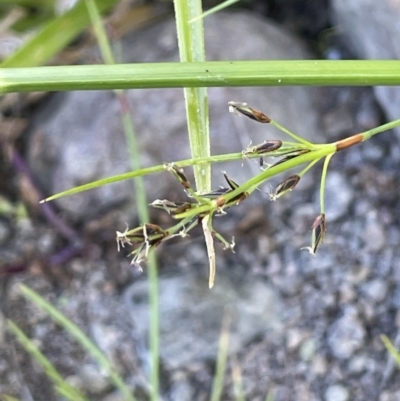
<point x="201" y="204"/>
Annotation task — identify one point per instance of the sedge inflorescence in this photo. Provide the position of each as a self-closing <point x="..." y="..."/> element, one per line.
<point x="200" y="208"/>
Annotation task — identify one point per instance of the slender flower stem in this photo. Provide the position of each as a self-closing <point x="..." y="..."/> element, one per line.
<point x="302" y="172"/>
<point x="291" y="134"/>
<point x="390" y="125"/>
<point x="323" y="182"/>
<point x="256" y="181"/>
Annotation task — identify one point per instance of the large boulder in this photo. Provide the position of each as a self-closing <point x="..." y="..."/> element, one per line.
<point x="371" y="30"/>
<point x="77" y="137"/>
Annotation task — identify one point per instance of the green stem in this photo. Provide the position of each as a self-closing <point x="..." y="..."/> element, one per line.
<point x="256" y="181"/>
<point x="191" y="49"/>
<point x="201" y="74"/>
<point x="141" y="199"/>
<point x="210" y="159"/>
<point x="291" y="134"/>
<point x="323" y="182"/>
<point x="100" y="32"/>
<point x="302" y="172"/>
<point x="147" y="171"/>
<point x="370" y="133"/>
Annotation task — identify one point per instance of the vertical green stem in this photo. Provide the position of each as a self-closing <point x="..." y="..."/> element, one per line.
<point x="191" y="49"/>
<point x="141" y="201"/>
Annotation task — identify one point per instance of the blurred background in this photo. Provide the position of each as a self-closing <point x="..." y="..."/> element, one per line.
<point x="301" y="328"/>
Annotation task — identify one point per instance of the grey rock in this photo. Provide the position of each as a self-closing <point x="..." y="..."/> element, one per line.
<point x="371" y="29"/>
<point x="366" y="309"/>
<point x="337" y="392"/>
<point x="94" y="380"/>
<point x="192" y="315"/>
<point x="115" y="396"/>
<point x="4" y="232"/>
<point x="376" y="290"/>
<point x="295" y="337"/>
<point x="180" y="388"/>
<point x="319" y="365"/>
<point x="347" y="293"/>
<point x="77" y="137"/>
<point x="346" y="335"/>
<point x="307" y="349"/>
<point x="316" y="303"/>
<point x="289" y="284"/>
<point x="389" y="396"/>
<point x="374" y="233"/>
<point x="358" y="274"/>
<point x="362" y="363"/>
<point x="338" y="195"/>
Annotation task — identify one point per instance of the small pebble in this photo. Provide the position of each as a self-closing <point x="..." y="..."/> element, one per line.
<point x="347" y="293"/>
<point x="346" y="335"/>
<point x="307" y="350"/>
<point x="338" y="195"/>
<point x="319" y="365"/>
<point x="358" y="274"/>
<point x="93" y="380"/>
<point x="337" y="392"/>
<point x="376" y="290"/>
<point x="4" y="232"/>
<point x="374" y="236"/>
<point x="294" y="338"/>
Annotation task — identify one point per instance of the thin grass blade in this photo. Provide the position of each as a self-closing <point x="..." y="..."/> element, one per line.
<point x="54" y="36"/>
<point x="141" y="199"/>
<point x="60" y="384"/>
<point x="391" y="349"/>
<point x="215" y="9"/>
<point x="218" y="383"/>
<point x="80" y="337"/>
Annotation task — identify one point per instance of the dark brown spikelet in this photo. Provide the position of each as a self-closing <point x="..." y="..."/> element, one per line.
<point x="291" y="155"/>
<point x="230" y="182"/>
<point x="221" y="200"/>
<point x="269" y="146"/>
<point x="285" y="186"/>
<point x="179" y="175"/>
<point x="238" y="198"/>
<point x="263" y="148"/>
<point x="318" y="233"/>
<point x="247" y="111"/>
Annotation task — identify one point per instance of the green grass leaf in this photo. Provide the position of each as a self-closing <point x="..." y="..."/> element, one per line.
<point x="215" y="9"/>
<point x="54" y="36"/>
<point x="80" y="337"/>
<point x="61" y="386"/>
<point x="391" y="349"/>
